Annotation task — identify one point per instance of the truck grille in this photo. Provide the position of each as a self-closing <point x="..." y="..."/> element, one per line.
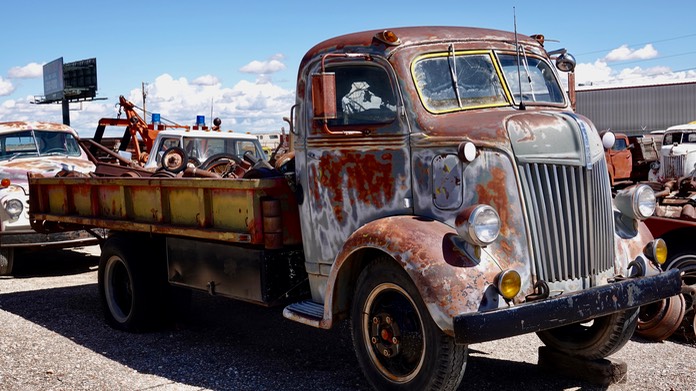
<point x="571" y="220"/>
<point x="674" y="166"/>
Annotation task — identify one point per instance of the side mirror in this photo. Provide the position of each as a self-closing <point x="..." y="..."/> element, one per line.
<point x="565" y="62"/>
<point x="324" y="95"/>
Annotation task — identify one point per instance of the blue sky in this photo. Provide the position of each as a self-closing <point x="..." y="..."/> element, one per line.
<point x="240" y="59"/>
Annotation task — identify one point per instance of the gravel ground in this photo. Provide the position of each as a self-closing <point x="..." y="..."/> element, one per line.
<point x="54" y="338"/>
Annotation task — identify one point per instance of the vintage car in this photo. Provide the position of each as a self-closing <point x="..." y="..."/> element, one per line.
<point x="41" y="148"/>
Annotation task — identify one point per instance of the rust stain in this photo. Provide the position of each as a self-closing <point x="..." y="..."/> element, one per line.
<point x="369" y="175"/>
<point x="494" y="193"/>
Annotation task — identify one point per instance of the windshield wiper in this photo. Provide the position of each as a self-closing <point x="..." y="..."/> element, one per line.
<point x="452" y="62"/>
<point x="18" y="154"/>
<point x="525" y="63"/>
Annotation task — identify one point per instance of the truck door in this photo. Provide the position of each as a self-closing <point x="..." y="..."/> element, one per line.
<point x="357" y="166"/>
<point x="619" y="157"/>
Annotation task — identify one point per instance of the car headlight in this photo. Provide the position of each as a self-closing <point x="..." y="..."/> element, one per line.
<point x="14" y="208"/>
<point x="637" y="202"/>
<point x="478" y="225"/>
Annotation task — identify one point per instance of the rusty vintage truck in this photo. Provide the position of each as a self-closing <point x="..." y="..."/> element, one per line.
<point x="441" y="193"/>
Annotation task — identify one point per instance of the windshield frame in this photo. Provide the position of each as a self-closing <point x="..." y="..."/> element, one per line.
<point x="505" y="83"/>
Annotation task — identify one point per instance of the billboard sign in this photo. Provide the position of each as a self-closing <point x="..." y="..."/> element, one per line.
<point x="53" y="80"/>
<point x="80" y="79"/>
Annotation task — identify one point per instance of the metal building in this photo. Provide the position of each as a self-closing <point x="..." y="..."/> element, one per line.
<point x="638" y="109"/>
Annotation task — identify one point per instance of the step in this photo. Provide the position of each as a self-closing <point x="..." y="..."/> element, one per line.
<point x="307" y="312"/>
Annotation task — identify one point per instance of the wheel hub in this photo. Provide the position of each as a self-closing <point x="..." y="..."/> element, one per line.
<point x="385" y="335"/>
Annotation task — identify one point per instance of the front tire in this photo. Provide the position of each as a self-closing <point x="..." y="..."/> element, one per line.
<point x="398" y="345"/>
<point x="595" y="339"/>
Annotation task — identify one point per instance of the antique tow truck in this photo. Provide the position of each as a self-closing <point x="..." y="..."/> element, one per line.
<point x="440" y="193"/>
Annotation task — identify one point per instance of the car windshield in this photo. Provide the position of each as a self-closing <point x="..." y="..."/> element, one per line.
<point x="203" y="148"/>
<point x="34" y="143"/>
<point x="679" y="138"/>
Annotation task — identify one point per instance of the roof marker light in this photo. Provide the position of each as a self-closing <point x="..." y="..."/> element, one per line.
<point x="388" y="37"/>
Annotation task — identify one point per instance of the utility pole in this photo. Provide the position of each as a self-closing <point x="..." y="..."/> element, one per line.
<point x="142" y="87"/>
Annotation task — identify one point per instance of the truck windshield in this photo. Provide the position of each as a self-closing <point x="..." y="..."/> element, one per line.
<point x="455" y="81"/>
<point x="33" y="143"/>
<point x="679" y="138"/>
<point x="204" y="148"/>
<point x="537" y="80"/>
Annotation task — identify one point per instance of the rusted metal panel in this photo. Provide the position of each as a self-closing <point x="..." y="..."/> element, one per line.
<point x="228" y="210"/>
<point x="261" y="276"/>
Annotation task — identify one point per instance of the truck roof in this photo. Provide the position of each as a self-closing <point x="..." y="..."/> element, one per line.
<point x="207" y="134"/>
<point x="409" y="36"/>
<point x="14" y="126"/>
<point x="681" y="128"/>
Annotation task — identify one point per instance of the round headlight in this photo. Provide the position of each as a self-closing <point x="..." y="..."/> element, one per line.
<point x="644" y="202"/>
<point x="636" y="202"/>
<point x="479" y="225"/>
<point x="14" y="207"/>
<point x="509" y="283"/>
<point x="656" y="251"/>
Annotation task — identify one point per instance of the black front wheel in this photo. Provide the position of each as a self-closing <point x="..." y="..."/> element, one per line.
<point x="398" y="345"/>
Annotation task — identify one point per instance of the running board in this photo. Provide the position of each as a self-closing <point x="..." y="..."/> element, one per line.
<point x="306" y="312"/>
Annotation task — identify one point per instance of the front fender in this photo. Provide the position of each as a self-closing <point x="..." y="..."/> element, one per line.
<point x="630" y="247"/>
<point x="444" y="269"/>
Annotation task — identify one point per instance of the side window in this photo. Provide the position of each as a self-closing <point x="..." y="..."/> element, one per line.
<point x="364" y="95"/>
<point x="667" y="140"/>
<point x="619" y="145"/>
<point x="246" y="146"/>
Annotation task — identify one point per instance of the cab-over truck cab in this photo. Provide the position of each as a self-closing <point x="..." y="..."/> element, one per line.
<point x="450" y="196"/>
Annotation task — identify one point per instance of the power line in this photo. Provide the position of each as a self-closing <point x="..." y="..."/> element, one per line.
<point x="649" y="59"/>
<point x="641" y="43"/>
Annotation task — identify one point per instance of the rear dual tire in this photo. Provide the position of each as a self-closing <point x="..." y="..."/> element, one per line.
<point x="132" y="285"/>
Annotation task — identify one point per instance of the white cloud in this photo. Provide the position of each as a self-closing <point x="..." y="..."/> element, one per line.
<point x="624" y="53"/>
<point x="272" y="65"/>
<point x="600" y="73"/>
<point x="206" y="80"/>
<point x="6" y="87"/>
<point x="29" y="71"/>
<point x="248" y="106"/>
